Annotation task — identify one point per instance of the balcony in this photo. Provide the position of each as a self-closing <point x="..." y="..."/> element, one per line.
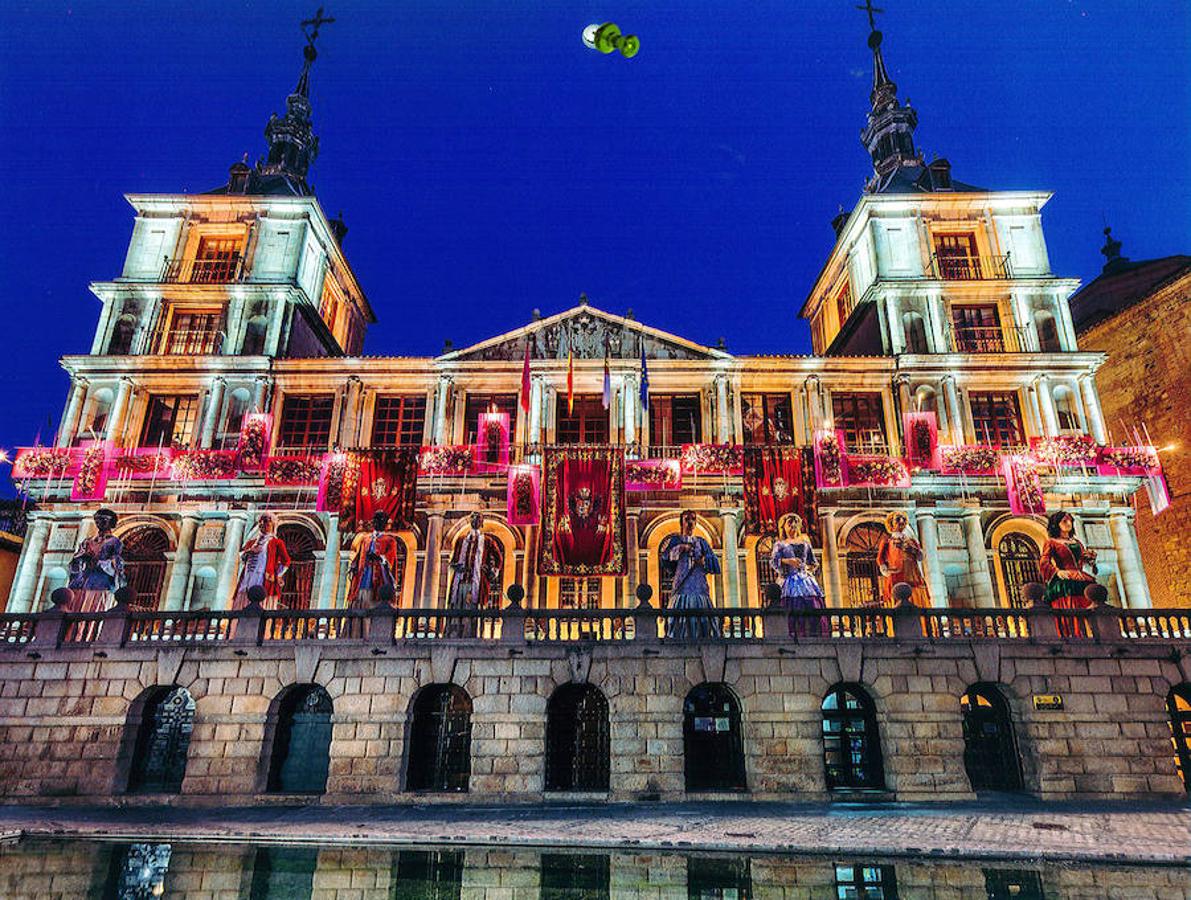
<point x="986" y="339"/>
<point x="199" y="341"/>
<point x="971" y="268"/>
<point x="218" y="270"/>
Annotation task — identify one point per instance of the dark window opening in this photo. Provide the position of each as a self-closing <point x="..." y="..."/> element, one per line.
<point x="713" y="747"/>
<point x="861" y="417"/>
<point x="864" y="576"/>
<point x="169" y="421"/>
<point x="427" y="875"/>
<point x="144" y="565"/>
<point x="588" y="424"/>
<point x="851" y="744"/>
<point x="996" y="418"/>
<point x="306" y="421"/>
<point x="578" y="745"/>
<point x="675" y="420"/>
<point x="162" y="742"/>
<point x="297" y="585"/>
<point x="440" y="740"/>
<point x="990" y="755"/>
<point x="301" y="742"/>
<point x="977" y="329"/>
<point x="767" y="418"/>
<point x="398" y="421"/>
<point x="1019" y="557"/>
<point x="713" y="878"/>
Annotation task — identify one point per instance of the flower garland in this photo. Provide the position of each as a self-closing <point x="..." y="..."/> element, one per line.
<point x="292" y="470"/>
<point x="144" y="465"/>
<point x="39" y="462"/>
<point x="447" y="460"/>
<point x="523" y="504"/>
<point x="1064" y="450"/>
<point x="830" y="456"/>
<point x="333" y="483"/>
<point x="87" y="483"/>
<point x="727" y="459"/>
<point x="204" y="465"/>
<point x="972" y="459"/>
<point x="254" y="440"/>
<point x="1129" y="457"/>
<point x="920" y="439"/>
<point x="880" y="470"/>
<point x="653" y="474"/>
<point x="1025" y="487"/>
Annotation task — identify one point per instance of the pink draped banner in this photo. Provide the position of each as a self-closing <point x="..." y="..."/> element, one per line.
<point x="492" y="442"/>
<point x="524" y="495"/>
<point x="922" y="440"/>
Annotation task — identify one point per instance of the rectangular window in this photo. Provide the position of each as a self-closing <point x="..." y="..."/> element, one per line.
<point x="675" y="420"/>
<point x="956" y="258"/>
<point x="169" y="421"/>
<point x="767" y="418"/>
<point x="818" y="335"/>
<point x="483" y="403"/>
<point x="861" y="417"/>
<point x="193" y="333"/>
<point x="216" y="261"/>
<point x="306" y="422"/>
<point x="977" y="328"/>
<point x="398" y="421"/>
<point x="579" y="593"/>
<point x="587" y="425"/>
<point x="996" y="417"/>
<point x="843" y="303"/>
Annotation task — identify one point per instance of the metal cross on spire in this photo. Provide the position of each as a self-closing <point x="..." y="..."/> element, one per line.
<point x="868" y="8"/>
<point x="317" y="22"/>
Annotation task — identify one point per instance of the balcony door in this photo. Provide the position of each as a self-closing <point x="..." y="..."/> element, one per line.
<point x="977" y="328"/>
<point x="586" y="424"/>
<point x="956" y="256"/>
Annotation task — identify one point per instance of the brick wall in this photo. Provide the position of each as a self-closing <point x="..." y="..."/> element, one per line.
<point x="62" y="717"/>
<point x="1147" y="379"/>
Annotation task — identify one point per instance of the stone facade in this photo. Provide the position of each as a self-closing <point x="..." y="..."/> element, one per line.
<point x="63" y="715"/>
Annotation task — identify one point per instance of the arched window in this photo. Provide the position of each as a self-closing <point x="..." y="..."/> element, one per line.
<point x="144" y="565"/>
<point x="301" y="753"/>
<point x="990" y="754"/>
<point x="578" y="748"/>
<point x="123" y="333"/>
<point x="494" y="560"/>
<point x="1178" y="704"/>
<point x="851" y="743"/>
<point x="254" y="336"/>
<point x="1019" y="557"/>
<point x="166" y="719"/>
<point x="440" y="740"/>
<point x="712" y="744"/>
<point x="915" y="330"/>
<point x="864" y="578"/>
<point x="1048" y="333"/>
<point x="96" y="421"/>
<point x="298" y="584"/>
<point x="1065" y="413"/>
<point x="925" y="399"/>
<point x="765" y="574"/>
<point x="233" y="417"/>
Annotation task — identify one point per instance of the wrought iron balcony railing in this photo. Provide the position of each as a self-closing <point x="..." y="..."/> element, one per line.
<point x="223" y="270"/>
<point x="971" y="268"/>
<point x="987" y="339"/>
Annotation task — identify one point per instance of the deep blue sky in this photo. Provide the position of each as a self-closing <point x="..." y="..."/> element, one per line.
<point x="487" y="163"/>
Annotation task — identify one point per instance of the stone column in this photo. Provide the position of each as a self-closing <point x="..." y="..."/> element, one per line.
<point x="349" y="418"/>
<point x="119" y="408"/>
<point x="938" y="323"/>
<point x="74" y="410"/>
<point x="723" y="420"/>
<point x="1091" y="403"/>
<point x="629" y="404"/>
<point x="811" y="389"/>
<point x="534" y="435"/>
<point x="631" y="540"/>
<point x="441" y="399"/>
<point x="327" y="588"/>
<point x="944" y="421"/>
<point x="259" y="391"/>
<point x="835" y="595"/>
<point x="175" y="594"/>
<point x="24" y="583"/>
<point x="893" y="316"/>
<point x="428" y="584"/>
<point x="1135" y="588"/>
<point x="211" y="413"/>
<point x="928" y="533"/>
<point x="276" y="321"/>
<point x="982" y="585"/>
<point x="229" y="562"/>
<point x="731" y="556"/>
<point x="1046" y="403"/>
<point x="955" y="415"/>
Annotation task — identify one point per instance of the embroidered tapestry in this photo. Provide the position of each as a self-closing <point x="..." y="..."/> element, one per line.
<point x="583" y="524"/>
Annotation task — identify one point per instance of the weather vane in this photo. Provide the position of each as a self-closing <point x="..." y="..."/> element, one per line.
<point x="317" y="22"/>
<point x="868" y="8"/>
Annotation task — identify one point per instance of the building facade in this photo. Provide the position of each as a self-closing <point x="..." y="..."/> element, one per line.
<point x="938" y="298"/>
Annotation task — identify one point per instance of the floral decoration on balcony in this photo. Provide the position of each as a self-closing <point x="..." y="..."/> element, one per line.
<point x="1025" y="487"/>
<point x="653" y="475"/>
<point x="447" y="460"/>
<point x="1127" y="461"/>
<point x="91" y="480"/>
<point x="969" y="459"/>
<point x="1064" y="450"/>
<point x="254" y="441"/>
<point x="206" y="465"/>
<point x="712" y="459"/>
<point x="281" y="471"/>
<point x="524" y="495"/>
<point x="43" y="462"/>
<point x="922" y="440"/>
<point x="829" y="459"/>
<point x="881" y="471"/>
<point x="334" y="483"/>
<point x="144" y="463"/>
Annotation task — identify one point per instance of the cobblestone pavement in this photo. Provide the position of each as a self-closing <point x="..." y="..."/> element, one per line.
<point x="987" y="831"/>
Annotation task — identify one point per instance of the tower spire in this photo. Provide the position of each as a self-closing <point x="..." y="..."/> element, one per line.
<point x="889" y="134"/>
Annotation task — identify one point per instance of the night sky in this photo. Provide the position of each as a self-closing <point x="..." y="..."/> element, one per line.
<point x="487" y="163"/>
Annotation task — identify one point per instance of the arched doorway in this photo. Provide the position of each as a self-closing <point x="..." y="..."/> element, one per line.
<point x="578" y="748"/>
<point x="301" y="754"/>
<point x="1019" y="556"/>
<point x="144" y="565"/>
<point x="713" y="747"/>
<point x="851" y="743"/>
<point x="990" y="753"/>
<point x="864" y="577"/>
<point x="1178" y="704"/>
<point x="765" y="574"/>
<point x="162" y="741"/>
<point x="914" y="327"/>
<point x="494" y="560"/>
<point x="297" y="586"/>
<point x="440" y="740"/>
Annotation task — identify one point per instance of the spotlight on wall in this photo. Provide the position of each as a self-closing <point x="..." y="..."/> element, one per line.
<point x="607" y="38"/>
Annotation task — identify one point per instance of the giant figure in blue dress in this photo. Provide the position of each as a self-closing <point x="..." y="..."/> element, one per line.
<point x="692" y="560"/>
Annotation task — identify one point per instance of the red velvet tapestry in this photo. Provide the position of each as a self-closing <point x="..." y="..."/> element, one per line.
<point x="777" y="480"/>
<point x="582" y="512"/>
<point x="385" y="480"/>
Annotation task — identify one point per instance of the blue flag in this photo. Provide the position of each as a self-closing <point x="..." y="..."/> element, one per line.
<point x="644" y="378"/>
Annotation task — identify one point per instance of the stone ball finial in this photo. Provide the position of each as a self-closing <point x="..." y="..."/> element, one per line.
<point x="1096" y="594"/>
<point x="1033" y="593"/>
<point x="61" y="598"/>
<point x="773" y="595"/>
<point x="644" y="594"/>
<point x="386" y="594"/>
<point x="902" y="593"/>
<point x="515" y="594"/>
<point x="256" y="595"/>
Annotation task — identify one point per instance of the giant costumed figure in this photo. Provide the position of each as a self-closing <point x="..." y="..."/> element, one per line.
<point x="1062" y="565"/>
<point x="899" y="558"/>
<point x="691" y="559"/>
<point x="793" y="561"/>
<point x="472" y="576"/>
<point x="97" y="568"/>
<point x="264" y="561"/>
<point x="373" y="564"/>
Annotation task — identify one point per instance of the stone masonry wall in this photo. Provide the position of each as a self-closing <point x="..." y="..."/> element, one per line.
<point x="63" y="715"/>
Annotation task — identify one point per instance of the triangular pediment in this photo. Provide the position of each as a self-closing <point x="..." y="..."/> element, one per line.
<point x="586" y="331"/>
